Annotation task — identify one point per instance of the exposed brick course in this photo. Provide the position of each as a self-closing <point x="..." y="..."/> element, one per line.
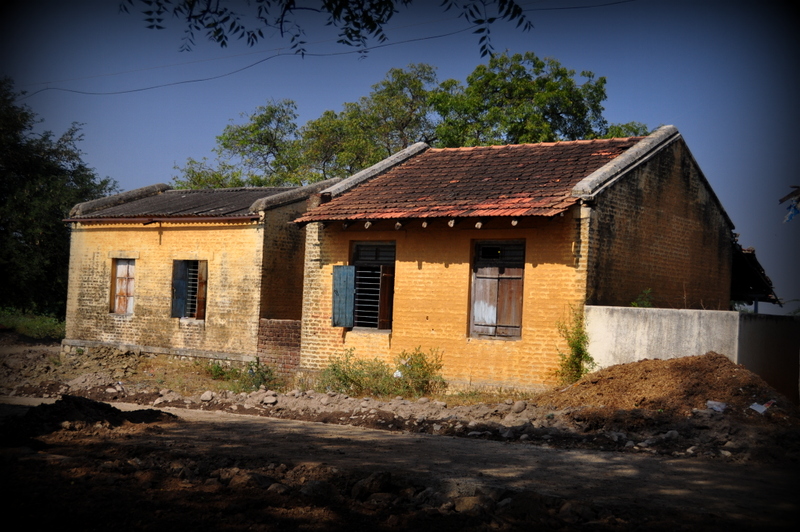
<point x="279" y="345"/>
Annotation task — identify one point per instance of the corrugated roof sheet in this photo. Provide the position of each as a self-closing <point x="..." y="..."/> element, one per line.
<point x="181" y="203"/>
<point x="514" y="180"/>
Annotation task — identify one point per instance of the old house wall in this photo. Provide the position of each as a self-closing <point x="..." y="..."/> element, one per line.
<point x="432" y="298"/>
<point x="234" y="255"/>
<point x="659" y="227"/>
<point x="282" y="266"/>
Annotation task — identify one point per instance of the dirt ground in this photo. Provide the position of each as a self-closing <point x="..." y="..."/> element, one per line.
<point x="631" y="447"/>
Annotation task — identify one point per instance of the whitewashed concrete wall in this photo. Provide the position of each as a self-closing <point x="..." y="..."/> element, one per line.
<point x="626" y="334"/>
<point x="767" y="345"/>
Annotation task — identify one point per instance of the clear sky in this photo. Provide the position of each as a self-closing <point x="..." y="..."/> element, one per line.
<point x="724" y="72"/>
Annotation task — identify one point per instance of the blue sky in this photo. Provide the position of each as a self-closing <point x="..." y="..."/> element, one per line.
<point x="723" y="72"/>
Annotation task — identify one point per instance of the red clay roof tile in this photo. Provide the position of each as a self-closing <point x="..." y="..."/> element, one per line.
<point x="514" y="180"/>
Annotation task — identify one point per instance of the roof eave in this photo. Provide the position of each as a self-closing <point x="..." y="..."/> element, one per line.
<point x="146" y="220"/>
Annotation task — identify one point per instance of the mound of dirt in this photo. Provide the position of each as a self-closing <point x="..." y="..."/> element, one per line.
<point x="71" y="413"/>
<point x="677" y="387"/>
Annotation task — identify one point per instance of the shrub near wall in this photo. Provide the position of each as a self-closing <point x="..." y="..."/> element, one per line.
<point x="414" y="374"/>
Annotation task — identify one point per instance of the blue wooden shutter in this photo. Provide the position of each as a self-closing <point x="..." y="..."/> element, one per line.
<point x="344" y="288"/>
<point x="179" y="276"/>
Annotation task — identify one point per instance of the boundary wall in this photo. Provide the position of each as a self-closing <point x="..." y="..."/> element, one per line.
<point x="765" y="344"/>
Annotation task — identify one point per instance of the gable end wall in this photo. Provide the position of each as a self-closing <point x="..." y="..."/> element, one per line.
<point x="660" y="227"/>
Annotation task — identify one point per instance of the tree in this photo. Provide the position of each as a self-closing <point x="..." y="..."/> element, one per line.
<point x="628" y="129"/>
<point x="264" y="151"/>
<point x="519" y="99"/>
<point x="509" y="100"/>
<point x="41" y="178"/>
<point x="357" y="22"/>
<point x="269" y="149"/>
<point x="393" y="116"/>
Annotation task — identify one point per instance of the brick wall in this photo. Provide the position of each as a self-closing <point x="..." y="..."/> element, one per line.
<point x="432" y="298"/>
<point x="254" y="270"/>
<point x="234" y="256"/>
<point x="279" y="345"/>
<point x="284" y="249"/>
<point x="660" y="227"/>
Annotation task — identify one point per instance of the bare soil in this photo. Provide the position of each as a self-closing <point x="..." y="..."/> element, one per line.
<point x="631" y="447"/>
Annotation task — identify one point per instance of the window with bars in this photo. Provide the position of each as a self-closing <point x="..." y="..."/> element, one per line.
<point x="497" y="280"/>
<point x="122" y="281"/>
<point x="363" y="292"/>
<point x="189" y="282"/>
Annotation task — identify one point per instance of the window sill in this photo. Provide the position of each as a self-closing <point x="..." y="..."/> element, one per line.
<point x="370" y="330"/>
<point x="495" y="338"/>
<point x="191" y="321"/>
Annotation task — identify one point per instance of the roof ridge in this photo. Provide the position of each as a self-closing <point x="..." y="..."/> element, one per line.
<point x="594" y="183"/>
<point x="525" y="144"/>
<point x="231" y="189"/>
<point x="118" y="199"/>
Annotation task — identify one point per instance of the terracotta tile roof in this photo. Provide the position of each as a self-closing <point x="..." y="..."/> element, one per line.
<point x="187" y="203"/>
<point x="515" y="180"/>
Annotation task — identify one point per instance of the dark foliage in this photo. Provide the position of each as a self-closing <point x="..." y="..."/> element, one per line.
<point x="41" y="178"/>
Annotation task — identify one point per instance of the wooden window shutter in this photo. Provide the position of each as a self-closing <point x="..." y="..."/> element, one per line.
<point x="343" y="296"/>
<point x="122" y="285"/>
<point x="386" y="297"/>
<point x="497" y="289"/>
<point x="112" y="304"/>
<point x="179" y="277"/>
<point x="509" y="302"/>
<point x="484" y="302"/>
<point x="202" y="284"/>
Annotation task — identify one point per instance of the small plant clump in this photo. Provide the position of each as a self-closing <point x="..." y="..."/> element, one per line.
<point x="414" y="374"/>
<point x="644" y="300"/>
<point x="41" y="327"/>
<point x="578" y="362"/>
<point x="249" y="379"/>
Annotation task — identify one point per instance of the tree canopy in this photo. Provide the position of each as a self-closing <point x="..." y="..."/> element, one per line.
<point x="41" y="178"/>
<point x="510" y="100"/>
<point x="356" y="22"/>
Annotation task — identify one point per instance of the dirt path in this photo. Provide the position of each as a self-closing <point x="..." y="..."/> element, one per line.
<point x="640" y="446"/>
<point x="639" y="490"/>
<point x="459" y="465"/>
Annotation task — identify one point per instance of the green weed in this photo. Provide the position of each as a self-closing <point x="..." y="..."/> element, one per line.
<point x="414" y="374"/>
<point x="645" y="299"/>
<point x="578" y="361"/>
<point x="250" y="378"/>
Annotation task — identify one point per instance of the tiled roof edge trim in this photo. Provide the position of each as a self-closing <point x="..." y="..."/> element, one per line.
<point x="87" y="207"/>
<point x="291" y="196"/>
<point x="591" y="185"/>
<point x="376" y="169"/>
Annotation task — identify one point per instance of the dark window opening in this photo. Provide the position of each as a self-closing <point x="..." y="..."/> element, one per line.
<point x="189" y="284"/>
<point x="363" y="293"/>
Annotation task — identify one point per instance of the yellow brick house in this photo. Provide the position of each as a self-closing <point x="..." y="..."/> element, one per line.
<point x="479" y="252"/>
<point x="199" y="273"/>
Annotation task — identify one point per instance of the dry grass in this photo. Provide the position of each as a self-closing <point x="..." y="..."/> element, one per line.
<point x="182" y="376"/>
